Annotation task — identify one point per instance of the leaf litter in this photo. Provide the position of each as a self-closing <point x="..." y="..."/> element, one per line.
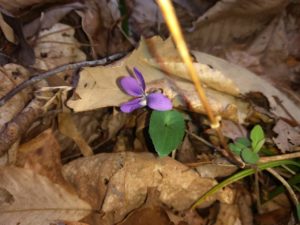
<point x="115" y="186"/>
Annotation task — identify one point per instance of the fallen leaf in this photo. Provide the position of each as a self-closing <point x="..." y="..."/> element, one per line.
<point x="57" y="46"/>
<point x="36" y="200"/>
<point x="68" y="128"/>
<point x="100" y="23"/>
<point x="50" y="17"/>
<point x="228" y="21"/>
<point x="288" y="137"/>
<point x="10" y="76"/>
<point x="7" y="30"/>
<point x="219" y="167"/>
<point x="43" y="159"/>
<point x="228" y="214"/>
<point x="122" y="180"/>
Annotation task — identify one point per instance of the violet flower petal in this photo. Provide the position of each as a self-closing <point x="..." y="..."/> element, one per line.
<point x="131" y="86"/>
<point x="159" y="102"/>
<point x="132" y="105"/>
<point x="140" y="78"/>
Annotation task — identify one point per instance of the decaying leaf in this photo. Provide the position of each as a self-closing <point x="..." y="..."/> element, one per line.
<point x="57" y="46"/>
<point x="50" y="17"/>
<point x="36" y="200"/>
<point x="288" y="137"/>
<point x="10" y="76"/>
<point x="228" y="21"/>
<point x="100" y="23"/>
<point x="119" y="182"/>
<point x="43" y="159"/>
<point x="68" y="128"/>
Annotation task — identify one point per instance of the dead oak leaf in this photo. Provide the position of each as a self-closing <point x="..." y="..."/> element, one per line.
<point x="119" y="182"/>
<point x="36" y="200"/>
<point x="288" y="137"/>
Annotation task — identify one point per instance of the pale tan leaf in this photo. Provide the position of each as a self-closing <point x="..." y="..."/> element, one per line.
<point x="7" y="30"/>
<point x="98" y="87"/>
<point x="249" y="82"/>
<point x="36" y="200"/>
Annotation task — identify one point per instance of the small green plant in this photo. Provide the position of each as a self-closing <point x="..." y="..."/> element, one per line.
<point x="166" y="130"/>
<point x="247" y="148"/>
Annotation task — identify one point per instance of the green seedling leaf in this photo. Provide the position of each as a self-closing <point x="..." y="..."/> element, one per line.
<point x="243" y="141"/>
<point x="235" y="148"/>
<point x="249" y="156"/>
<point x="257" y="137"/>
<point x="166" y="130"/>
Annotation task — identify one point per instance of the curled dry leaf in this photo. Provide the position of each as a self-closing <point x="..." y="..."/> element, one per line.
<point x="36" y="200"/>
<point x="119" y="182"/>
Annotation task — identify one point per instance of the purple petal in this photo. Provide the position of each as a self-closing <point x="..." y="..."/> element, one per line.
<point x="132" y="105"/>
<point x="140" y="77"/>
<point x="159" y="102"/>
<point x="131" y="86"/>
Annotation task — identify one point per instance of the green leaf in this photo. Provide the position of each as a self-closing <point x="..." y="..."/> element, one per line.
<point x="298" y="211"/>
<point x="243" y="141"/>
<point x="235" y="148"/>
<point x="166" y="130"/>
<point x="257" y="137"/>
<point x="249" y="156"/>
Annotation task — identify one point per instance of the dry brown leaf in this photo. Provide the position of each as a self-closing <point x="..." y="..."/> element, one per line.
<point x="228" y="21"/>
<point x="57" y="46"/>
<point x="228" y="214"/>
<point x="36" y="200"/>
<point x="68" y="128"/>
<point x="15" y="6"/>
<point x="102" y="82"/>
<point x="7" y="30"/>
<point x="42" y="155"/>
<point x="217" y="168"/>
<point x="249" y="82"/>
<point x="288" y="137"/>
<point x="10" y="76"/>
<point x="99" y="21"/>
<point x="98" y="87"/>
<point x="49" y="17"/>
<point x="119" y="182"/>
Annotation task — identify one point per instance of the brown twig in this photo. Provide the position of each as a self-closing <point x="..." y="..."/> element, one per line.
<point x="56" y="70"/>
<point x="279" y="157"/>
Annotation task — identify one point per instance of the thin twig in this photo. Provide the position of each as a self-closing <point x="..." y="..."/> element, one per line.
<point x="279" y="157"/>
<point x="56" y="70"/>
<point x="285" y="184"/>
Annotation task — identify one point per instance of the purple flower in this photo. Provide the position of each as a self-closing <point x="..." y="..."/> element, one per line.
<point x="135" y="86"/>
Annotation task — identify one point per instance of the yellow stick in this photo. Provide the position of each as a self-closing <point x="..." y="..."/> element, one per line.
<point x="174" y="27"/>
